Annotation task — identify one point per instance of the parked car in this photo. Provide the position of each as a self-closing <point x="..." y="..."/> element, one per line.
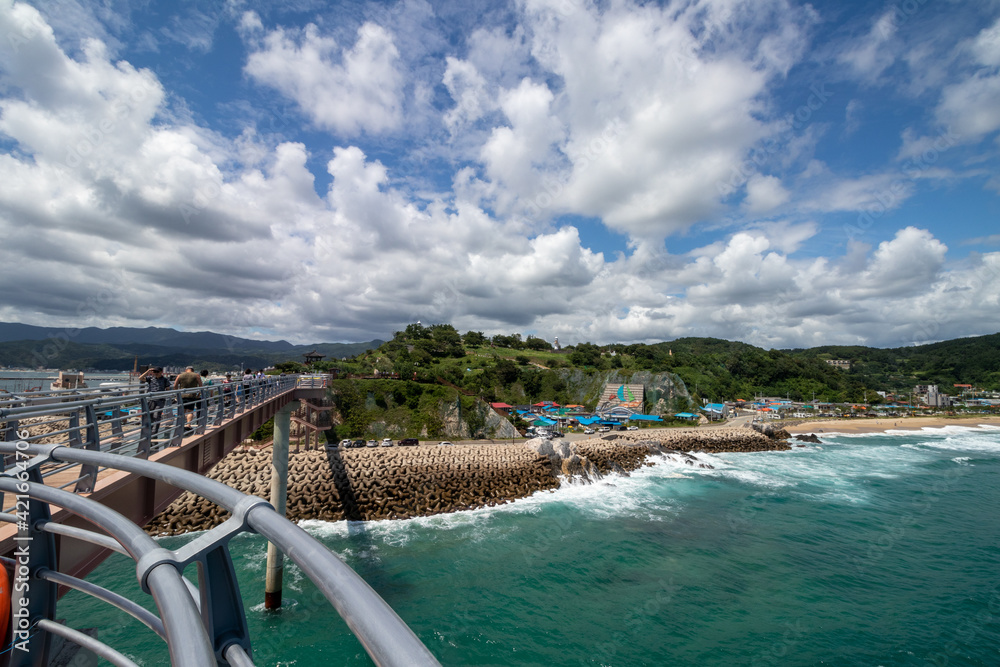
<point x="387" y="442"/>
<point x="620" y="427"/>
<point x="371" y="443"/>
<point x="633" y="428"/>
<point x="409" y="442"/>
<point x="345" y="443"/>
<point x="588" y="431"/>
<point x="557" y="434"/>
<point x="445" y="444"/>
<point x="604" y="429"/>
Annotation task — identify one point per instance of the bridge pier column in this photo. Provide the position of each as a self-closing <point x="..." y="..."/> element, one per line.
<point x="279" y="492"/>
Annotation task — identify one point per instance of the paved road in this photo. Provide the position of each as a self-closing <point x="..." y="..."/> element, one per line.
<point x="737" y="422"/>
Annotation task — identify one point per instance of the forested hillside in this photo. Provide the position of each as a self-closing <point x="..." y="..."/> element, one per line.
<point x="515" y="370"/>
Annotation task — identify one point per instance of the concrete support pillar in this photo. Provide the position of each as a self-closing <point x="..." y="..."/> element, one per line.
<point x="279" y="491"/>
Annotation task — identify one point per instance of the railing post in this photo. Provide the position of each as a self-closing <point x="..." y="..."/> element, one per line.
<point x="220" y="410"/>
<point x="9" y="434"/>
<point x="279" y="489"/>
<point x="88" y="472"/>
<point x="74" y="429"/>
<point x="201" y="423"/>
<point x="179" y="423"/>
<point x="221" y="602"/>
<point x="145" y="429"/>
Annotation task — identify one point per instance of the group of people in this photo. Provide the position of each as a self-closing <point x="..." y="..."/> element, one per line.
<point x="156" y="381"/>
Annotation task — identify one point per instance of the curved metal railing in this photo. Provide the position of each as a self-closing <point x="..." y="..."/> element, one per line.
<point x="201" y="626"/>
<point x="126" y="419"/>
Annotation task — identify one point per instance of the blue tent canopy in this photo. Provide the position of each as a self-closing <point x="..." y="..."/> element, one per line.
<point x="646" y="418"/>
<point x="587" y="421"/>
<point x="686" y="415"/>
<point x="715" y="407"/>
<point x="543" y="420"/>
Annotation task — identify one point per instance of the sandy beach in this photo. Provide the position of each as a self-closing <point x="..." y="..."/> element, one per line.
<point x="879" y="425"/>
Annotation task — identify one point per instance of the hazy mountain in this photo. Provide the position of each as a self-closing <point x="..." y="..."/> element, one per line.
<point x="115" y="348"/>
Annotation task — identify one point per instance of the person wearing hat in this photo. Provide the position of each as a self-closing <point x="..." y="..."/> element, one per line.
<point x="156" y="382"/>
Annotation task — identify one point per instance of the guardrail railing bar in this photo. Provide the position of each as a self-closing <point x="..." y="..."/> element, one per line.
<point x="188" y="641"/>
<point x="86" y="641"/>
<point x="237" y="657"/>
<point x="44" y="403"/>
<point x="83" y="535"/>
<point x="139" y="613"/>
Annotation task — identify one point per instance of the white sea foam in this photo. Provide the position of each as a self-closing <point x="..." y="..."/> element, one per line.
<point x="983" y="443"/>
<point x="838" y="471"/>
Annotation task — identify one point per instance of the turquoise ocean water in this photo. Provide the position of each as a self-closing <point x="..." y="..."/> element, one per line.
<point x="865" y="550"/>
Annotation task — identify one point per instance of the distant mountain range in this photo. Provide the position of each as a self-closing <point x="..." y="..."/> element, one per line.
<point x="27" y="346"/>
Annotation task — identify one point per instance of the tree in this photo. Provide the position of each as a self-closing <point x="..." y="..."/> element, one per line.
<point x="540" y="344"/>
<point x="586" y="354"/>
<point x="474" y="339"/>
<point x="290" y="367"/>
<point x="506" y="372"/>
<point x="512" y="341"/>
<point x="447" y="342"/>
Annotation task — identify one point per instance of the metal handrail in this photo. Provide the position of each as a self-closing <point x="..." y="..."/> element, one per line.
<point x="130" y="421"/>
<point x="219" y="633"/>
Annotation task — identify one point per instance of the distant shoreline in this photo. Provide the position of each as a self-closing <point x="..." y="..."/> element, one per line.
<point x="868" y="425"/>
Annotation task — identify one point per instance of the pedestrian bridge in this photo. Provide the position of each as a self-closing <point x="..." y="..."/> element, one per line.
<point x="114" y="457"/>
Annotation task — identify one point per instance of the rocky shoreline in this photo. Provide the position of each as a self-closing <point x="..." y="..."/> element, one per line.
<point x="404" y="482"/>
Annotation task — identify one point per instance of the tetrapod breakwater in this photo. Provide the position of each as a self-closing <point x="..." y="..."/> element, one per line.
<point x="402" y="482"/>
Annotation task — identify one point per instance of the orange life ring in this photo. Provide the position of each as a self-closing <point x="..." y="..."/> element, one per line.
<point x="4" y="605"/>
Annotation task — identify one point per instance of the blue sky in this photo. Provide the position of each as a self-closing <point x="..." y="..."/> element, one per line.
<point x="778" y="172"/>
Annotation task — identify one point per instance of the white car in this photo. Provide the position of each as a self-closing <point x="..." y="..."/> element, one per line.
<point x="633" y="428"/>
<point x="604" y="429"/>
<point x="345" y="444"/>
<point x="371" y="443"/>
<point x="387" y="442"/>
<point x="445" y="444"/>
<point x="589" y="431"/>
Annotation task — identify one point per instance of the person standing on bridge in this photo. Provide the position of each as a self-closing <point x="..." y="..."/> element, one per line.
<point x="188" y="380"/>
<point x="155" y="382"/>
